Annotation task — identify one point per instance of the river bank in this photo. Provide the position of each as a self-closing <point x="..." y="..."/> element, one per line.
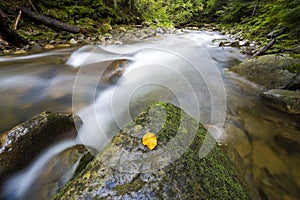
<point x="235" y="36"/>
<point x="116" y="35"/>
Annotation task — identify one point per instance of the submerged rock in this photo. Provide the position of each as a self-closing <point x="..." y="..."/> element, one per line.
<point x="114" y="71"/>
<point x="272" y="71"/>
<point x="126" y="169"/>
<point x="22" y="144"/>
<point x="283" y="100"/>
<point x="288" y="141"/>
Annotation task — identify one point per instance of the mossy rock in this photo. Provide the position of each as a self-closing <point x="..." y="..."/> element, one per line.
<point x="126" y="169"/>
<point x="21" y="145"/>
<point x="272" y="71"/>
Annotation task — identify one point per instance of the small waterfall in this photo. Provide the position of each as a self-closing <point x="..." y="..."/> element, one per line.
<point x="18" y="185"/>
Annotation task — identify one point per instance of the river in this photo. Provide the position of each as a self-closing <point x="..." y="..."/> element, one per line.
<point x="187" y="69"/>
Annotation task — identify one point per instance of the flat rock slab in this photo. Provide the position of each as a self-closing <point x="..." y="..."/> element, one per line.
<point x="283" y="100"/>
<point x="126" y="169"/>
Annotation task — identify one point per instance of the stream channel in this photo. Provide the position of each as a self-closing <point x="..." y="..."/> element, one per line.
<point x="107" y="86"/>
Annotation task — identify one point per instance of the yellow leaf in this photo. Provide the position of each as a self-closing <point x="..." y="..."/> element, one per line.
<point x="149" y="140"/>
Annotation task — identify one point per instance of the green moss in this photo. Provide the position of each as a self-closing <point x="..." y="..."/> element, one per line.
<point x="294" y="68"/>
<point x="211" y="172"/>
<point x="187" y="177"/>
<point x="295" y="55"/>
<point x="133" y="186"/>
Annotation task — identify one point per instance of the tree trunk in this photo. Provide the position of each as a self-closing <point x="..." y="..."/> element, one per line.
<point x="9" y="35"/>
<point x="52" y="23"/>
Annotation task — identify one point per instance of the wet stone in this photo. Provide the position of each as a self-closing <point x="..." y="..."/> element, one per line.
<point x="127" y="170"/>
<point x="23" y="143"/>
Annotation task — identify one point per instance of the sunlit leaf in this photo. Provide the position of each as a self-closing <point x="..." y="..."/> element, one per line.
<point x="149" y="140"/>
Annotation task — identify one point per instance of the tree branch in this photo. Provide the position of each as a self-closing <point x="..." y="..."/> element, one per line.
<point x="263" y="50"/>
<point x="17" y="20"/>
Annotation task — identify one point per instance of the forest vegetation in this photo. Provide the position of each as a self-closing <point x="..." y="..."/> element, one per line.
<point x="254" y="18"/>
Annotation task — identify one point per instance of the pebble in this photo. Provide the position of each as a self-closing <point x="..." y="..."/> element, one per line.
<point x="108" y="36"/>
<point x="49" y="46"/>
<point x="22" y="51"/>
<point x="122" y="29"/>
<point x="63" y="45"/>
<point x="100" y="38"/>
<point x="118" y="43"/>
<point x="73" y="41"/>
<point x="7" y="51"/>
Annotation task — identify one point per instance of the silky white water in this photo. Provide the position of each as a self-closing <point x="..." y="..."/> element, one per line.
<point x="184" y="69"/>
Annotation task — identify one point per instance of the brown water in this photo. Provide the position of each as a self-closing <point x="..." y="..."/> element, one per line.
<point x="29" y="86"/>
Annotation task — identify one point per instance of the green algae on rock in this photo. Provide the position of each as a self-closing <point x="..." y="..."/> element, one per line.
<point x="272" y="71"/>
<point x="19" y="146"/>
<point x="125" y="169"/>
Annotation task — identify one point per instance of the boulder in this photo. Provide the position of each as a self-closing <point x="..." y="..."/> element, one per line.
<point x="235" y="44"/>
<point x="271" y="71"/>
<point x="174" y="169"/>
<point x="283" y="100"/>
<point x="19" y="146"/>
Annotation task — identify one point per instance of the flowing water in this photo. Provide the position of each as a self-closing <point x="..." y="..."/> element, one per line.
<point x="188" y="70"/>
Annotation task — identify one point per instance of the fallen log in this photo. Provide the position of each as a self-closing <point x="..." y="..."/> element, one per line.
<point x="50" y="22"/>
<point x="10" y="35"/>
<point x="263" y="50"/>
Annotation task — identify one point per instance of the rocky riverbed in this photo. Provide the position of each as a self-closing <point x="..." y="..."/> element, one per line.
<point x="113" y="36"/>
<point x="118" y="35"/>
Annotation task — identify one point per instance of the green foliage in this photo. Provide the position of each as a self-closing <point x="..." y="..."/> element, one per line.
<point x="154" y="11"/>
<point x="181" y="11"/>
<point x="256" y="18"/>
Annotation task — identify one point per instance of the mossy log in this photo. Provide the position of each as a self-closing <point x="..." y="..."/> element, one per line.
<point x="50" y="22"/>
<point x="126" y="169"/>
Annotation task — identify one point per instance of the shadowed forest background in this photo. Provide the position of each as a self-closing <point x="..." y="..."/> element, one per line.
<point x="256" y="18"/>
